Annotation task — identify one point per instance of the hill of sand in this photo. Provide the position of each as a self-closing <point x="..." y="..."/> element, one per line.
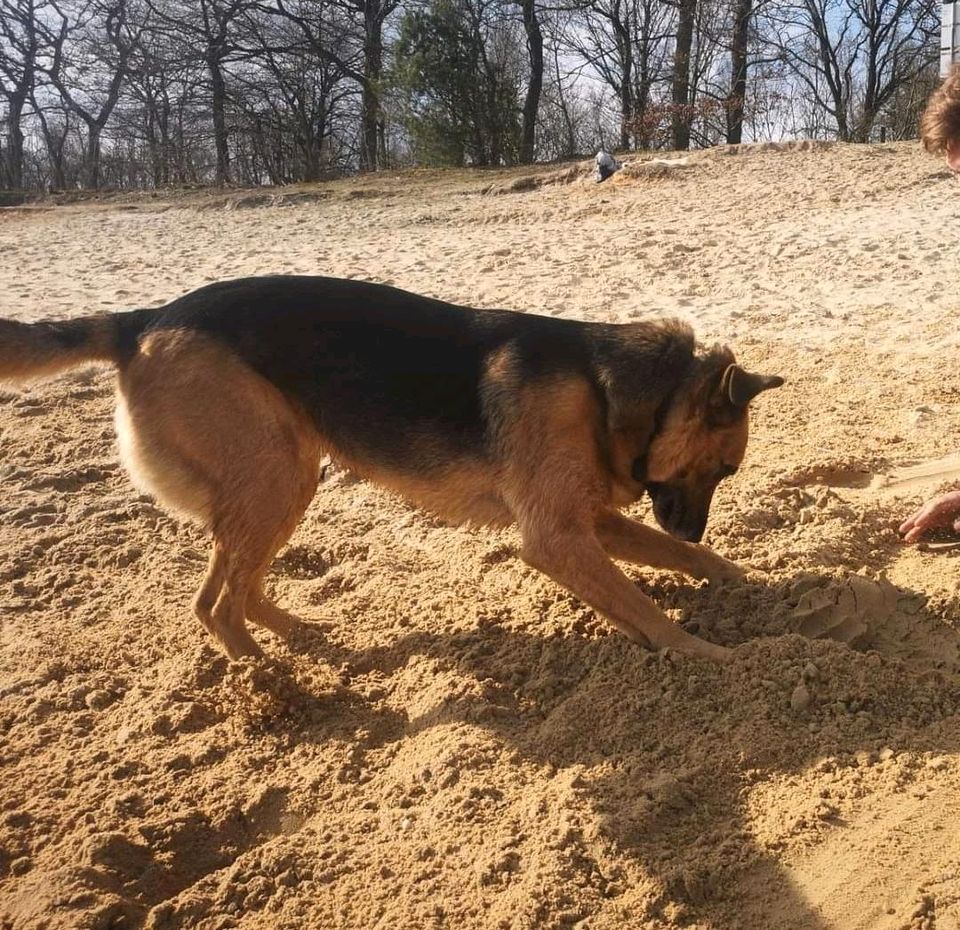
<point x="453" y="741"/>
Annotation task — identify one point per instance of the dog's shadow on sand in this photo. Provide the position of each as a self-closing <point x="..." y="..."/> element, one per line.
<point x="668" y="750"/>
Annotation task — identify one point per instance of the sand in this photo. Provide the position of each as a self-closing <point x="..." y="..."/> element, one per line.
<point x="453" y="741"/>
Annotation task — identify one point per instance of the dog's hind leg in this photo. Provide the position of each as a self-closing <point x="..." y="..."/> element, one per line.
<point x="254" y="517"/>
<point x="209" y="591"/>
<point x="246" y="538"/>
<point x="631" y="541"/>
<point x="226" y="621"/>
<point x="212" y="439"/>
<point x="263" y="612"/>
<point x="301" y="488"/>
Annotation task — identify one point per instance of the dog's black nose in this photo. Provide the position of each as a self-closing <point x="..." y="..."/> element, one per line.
<point x="695" y="524"/>
<point x="691" y="534"/>
<point x="668" y="511"/>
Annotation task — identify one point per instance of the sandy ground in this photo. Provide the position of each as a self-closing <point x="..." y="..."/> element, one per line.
<point x="453" y="741"/>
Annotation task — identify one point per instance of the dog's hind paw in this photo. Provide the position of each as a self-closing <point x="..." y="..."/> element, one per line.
<point x="308" y="635"/>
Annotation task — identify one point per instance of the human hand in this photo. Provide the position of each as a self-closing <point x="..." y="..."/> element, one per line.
<point x="934" y="514"/>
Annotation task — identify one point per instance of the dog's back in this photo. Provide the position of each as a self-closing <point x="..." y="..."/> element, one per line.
<point x="375" y="367"/>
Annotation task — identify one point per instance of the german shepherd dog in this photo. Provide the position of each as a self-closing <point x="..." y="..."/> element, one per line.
<point x="229" y="396"/>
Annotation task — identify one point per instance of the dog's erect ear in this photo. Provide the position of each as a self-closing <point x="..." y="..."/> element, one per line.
<point x="739" y="387"/>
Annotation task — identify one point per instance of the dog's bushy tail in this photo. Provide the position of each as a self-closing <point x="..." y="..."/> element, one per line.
<point x="38" y="350"/>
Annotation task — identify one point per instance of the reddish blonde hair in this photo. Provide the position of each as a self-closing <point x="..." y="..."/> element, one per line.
<point x="940" y="124"/>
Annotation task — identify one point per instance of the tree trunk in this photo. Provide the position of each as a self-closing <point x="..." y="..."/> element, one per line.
<point x="17" y="97"/>
<point x="642" y="130"/>
<point x="531" y="103"/>
<point x="153" y="143"/>
<point x="864" y="124"/>
<point x="738" y="68"/>
<point x="626" y="113"/>
<point x="59" y="172"/>
<point x="91" y="167"/>
<point x="681" y="74"/>
<point x="625" y="48"/>
<point x="370" y="109"/>
<point x="166" y="144"/>
<point x="219" y="106"/>
<point x="55" y="147"/>
<point x="16" y="101"/>
<point x="372" y="73"/>
<point x="15" y="143"/>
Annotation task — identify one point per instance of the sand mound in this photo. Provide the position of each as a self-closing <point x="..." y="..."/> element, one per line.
<point x="248" y="201"/>
<point x="638" y="168"/>
<point x="530" y="182"/>
<point x="451" y="740"/>
<point x="654" y="168"/>
<point x="645" y="167"/>
<point x="844" y="611"/>
<point x="763" y="148"/>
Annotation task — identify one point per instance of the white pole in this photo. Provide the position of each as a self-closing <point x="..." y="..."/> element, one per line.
<point x="949" y="36"/>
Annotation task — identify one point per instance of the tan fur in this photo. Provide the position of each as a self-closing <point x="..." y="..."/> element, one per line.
<point x="213" y="440"/>
<point x="626" y="442"/>
<point x="689" y="450"/>
<point x="458" y="491"/>
<point x="630" y="541"/>
<point x="689" y="447"/>
<point x="560" y="495"/>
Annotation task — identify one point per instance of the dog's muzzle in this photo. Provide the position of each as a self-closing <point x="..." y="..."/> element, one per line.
<point x="675" y="513"/>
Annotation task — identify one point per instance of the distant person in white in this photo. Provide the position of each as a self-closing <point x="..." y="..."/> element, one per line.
<point x="606" y="166"/>
<point x="940" y="131"/>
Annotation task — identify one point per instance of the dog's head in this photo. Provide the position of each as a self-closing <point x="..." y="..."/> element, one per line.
<point x="700" y="439"/>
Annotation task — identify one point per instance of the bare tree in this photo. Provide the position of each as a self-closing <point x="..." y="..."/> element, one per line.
<point x="365" y="35"/>
<point x="531" y="103"/>
<point x="302" y="92"/>
<point x="602" y="34"/>
<point x="682" y="115"/>
<point x="559" y="122"/>
<point x="90" y="52"/>
<point x="207" y="28"/>
<point x="21" y="44"/>
<point x="653" y="23"/>
<point x="896" y="47"/>
<point x="739" y="62"/>
<point x="56" y="128"/>
<point x="328" y="32"/>
<point x="852" y="56"/>
<point x="374" y="15"/>
<point x="160" y="84"/>
<point x="626" y="43"/>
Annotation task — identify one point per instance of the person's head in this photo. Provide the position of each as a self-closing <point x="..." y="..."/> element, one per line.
<point x="940" y="126"/>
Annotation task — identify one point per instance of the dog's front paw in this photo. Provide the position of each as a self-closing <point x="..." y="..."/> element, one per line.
<point x="717" y="569"/>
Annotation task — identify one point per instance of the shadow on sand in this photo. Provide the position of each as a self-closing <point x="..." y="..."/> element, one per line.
<point x="665" y="750"/>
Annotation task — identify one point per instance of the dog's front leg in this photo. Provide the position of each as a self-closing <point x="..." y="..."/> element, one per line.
<point x="631" y="541"/>
<point x="577" y="561"/>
